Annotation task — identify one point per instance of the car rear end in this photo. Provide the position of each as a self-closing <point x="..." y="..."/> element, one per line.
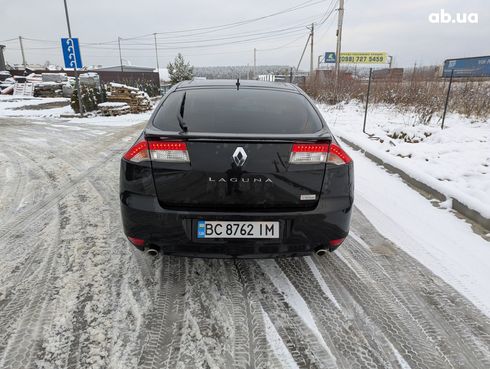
<point x="249" y="172"/>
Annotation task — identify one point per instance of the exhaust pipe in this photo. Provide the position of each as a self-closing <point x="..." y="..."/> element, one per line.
<point x="151" y="250"/>
<point x="320" y="251"/>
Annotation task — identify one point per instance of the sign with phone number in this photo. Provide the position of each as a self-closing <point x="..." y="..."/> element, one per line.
<point x="364" y="58"/>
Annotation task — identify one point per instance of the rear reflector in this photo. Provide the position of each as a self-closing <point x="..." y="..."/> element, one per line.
<point x="317" y="153"/>
<point x="335" y="243"/>
<point x="136" y="241"/>
<point x="169" y="151"/>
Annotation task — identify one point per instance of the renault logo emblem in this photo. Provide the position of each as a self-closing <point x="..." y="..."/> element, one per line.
<point x="239" y="156"/>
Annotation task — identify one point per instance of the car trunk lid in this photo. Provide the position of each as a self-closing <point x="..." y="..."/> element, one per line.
<point x="245" y="173"/>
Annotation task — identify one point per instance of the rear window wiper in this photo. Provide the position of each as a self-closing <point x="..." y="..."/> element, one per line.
<point x="180" y="115"/>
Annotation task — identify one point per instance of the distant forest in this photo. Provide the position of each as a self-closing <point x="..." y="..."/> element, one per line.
<point x="242" y="71"/>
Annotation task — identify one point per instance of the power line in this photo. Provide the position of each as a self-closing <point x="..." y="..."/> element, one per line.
<point x="247" y="21"/>
<point x="189" y="39"/>
<point x="329" y="11"/>
<point x="320" y="24"/>
<point x="282" y="46"/>
<point x="237" y="36"/>
<point x="305" y="4"/>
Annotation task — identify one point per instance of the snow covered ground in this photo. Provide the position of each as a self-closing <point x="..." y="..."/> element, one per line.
<point x="435" y="236"/>
<point x="22" y="106"/>
<point x="455" y="161"/>
<point x="74" y="293"/>
<point x="54" y="108"/>
<point x="116" y="121"/>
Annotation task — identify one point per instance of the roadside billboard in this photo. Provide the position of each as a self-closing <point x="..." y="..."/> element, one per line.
<point x="356" y="58"/>
<point x="467" y="67"/>
<point x="330" y="57"/>
<point x="364" y="58"/>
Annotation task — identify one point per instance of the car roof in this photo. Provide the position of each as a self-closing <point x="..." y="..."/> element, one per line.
<point x="231" y="83"/>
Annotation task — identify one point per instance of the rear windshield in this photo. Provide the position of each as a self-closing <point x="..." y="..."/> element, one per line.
<point x="242" y="111"/>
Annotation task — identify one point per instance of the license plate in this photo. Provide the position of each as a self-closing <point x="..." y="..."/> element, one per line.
<point x="219" y="229"/>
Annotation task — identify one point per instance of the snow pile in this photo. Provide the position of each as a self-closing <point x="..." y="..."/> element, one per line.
<point x="114" y="121"/>
<point x="455" y="161"/>
<point x="33" y="107"/>
<point x="112" y="105"/>
<point x="25" y="106"/>
<point x="436" y="237"/>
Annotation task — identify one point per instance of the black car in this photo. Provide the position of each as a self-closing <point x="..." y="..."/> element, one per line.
<point x="236" y="169"/>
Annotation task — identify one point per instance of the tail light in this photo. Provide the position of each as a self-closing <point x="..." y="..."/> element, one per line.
<point x="164" y="151"/>
<point x="338" y="156"/>
<point x="138" y="152"/>
<point x="316" y="153"/>
<point x="169" y="151"/>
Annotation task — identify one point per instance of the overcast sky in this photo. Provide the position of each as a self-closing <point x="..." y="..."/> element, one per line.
<point x="401" y="28"/>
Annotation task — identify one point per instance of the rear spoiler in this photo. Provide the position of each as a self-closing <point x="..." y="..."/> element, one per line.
<point x="323" y="135"/>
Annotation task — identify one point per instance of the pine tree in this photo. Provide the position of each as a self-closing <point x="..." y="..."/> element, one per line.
<point x="90" y="98"/>
<point x="179" y="70"/>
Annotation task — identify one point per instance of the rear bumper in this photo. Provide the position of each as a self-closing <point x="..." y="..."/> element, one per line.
<point x="173" y="232"/>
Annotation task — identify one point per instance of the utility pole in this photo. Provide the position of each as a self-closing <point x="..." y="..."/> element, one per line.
<point x="302" y="54"/>
<point x="311" y="48"/>
<point x="75" y="71"/>
<point x="339" y="45"/>
<point x="22" y="51"/>
<point x="120" y="55"/>
<point x="156" y="51"/>
<point x="255" y="63"/>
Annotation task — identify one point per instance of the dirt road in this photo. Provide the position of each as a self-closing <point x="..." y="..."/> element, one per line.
<point x="74" y="294"/>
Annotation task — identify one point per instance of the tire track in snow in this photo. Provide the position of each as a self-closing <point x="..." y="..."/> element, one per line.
<point x="42" y="206"/>
<point x="333" y="325"/>
<point x="303" y="344"/>
<point x="382" y="286"/>
<point x="115" y="307"/>
<point x="26" y="324"/>
<point x="259" y="353"/>
<point x="36" y="256"/>
<point x="440" y="312"/>
<point x="386" y="312"/>
<point x="164" y="320"/>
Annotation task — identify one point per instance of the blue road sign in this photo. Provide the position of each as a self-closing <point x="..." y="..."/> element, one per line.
<point x="71" y="53"/>
<point x="467" y="67"/>
<point x="329" y="57"/>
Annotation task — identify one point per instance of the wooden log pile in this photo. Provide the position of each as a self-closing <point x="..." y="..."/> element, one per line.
<point x="48" y="89"/>
<point x="138" y="100"/>
<point x="114" y="108"/>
